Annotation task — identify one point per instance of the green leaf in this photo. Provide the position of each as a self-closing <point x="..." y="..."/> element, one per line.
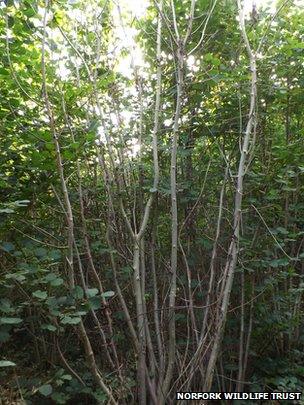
<point x="10" y="21"/>
<point x="40" y="252"/>
<point x="50" y="277"/>
<point x="60" y="398"/>
<point x="91" y="292"/>
<point x="8" y="246"/>
<point x="282" y="230"/>
<point x="78" y="292"/>
<point x="56" y="282"/>
<point x="6" y="363"/>
<point x="4" y="336"/>
<point x="93" y="126"/>
<point x="279" y="262"/>
<point x="55" y="254"/>
<point x="4" y="72"/>
<point x="40" y="294"/>
<point x="70" y="320"/>
<point x="29" y="11"/>
<point x="10" y="321"/>
<point x="67" y="377"/>
<point x="45" y="390"/>
<point x="49" y="327"/>
<point x="80" y="313"/>
<point x="5" y="306"/>
<point x="206" y="243"/>
<point x="95" y="302"/>
<point x="108" y="294"/>
<point x="16" y="276"/>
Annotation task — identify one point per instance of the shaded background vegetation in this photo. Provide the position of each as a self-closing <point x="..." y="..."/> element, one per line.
<point x="42" y="358"/>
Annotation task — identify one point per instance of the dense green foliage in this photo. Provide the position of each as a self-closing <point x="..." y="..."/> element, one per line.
<point x="103" y="120"/>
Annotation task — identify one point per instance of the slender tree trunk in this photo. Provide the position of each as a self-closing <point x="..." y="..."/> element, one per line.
<point x="247" y="345"/>
<point x="234" y="244"/>
<point x="174" y="231"/>
<point x="69" y="216"/>
<point x="241" y="340"/>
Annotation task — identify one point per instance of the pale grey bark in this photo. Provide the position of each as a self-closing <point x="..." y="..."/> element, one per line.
<point x="234" y="244"/>
<point x="174" y="233"/>
<point x="69" y="215"/>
